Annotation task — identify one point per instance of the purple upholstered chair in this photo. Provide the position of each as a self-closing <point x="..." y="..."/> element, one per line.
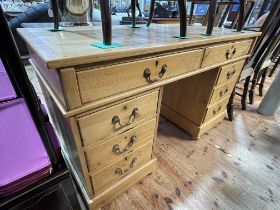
<point x="23" y="158"/>
<point x="6" y="88"/>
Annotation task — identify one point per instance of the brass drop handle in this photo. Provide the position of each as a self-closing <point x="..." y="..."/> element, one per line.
<point x="117" y="150"/>
<point x="230" y="53"/>
<point x="230" y="74"/>
<point x="223" y="92"/>
<point x="116" y="119"/>
<point x="120" y="171"/>
<point x="215" y="111"/>
<point x="147" y="74"/>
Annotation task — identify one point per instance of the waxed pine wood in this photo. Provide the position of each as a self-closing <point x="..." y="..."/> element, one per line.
<point x="197" y="175"/>
<point x="101" y="155"/>
<point x="72" y="47"/>
<point x="95" y="128"/>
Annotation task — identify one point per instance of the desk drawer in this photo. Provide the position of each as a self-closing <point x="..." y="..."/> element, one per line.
<point x="222" y="53"/>
<point x="110" y="80"/>
<point x="222" y="91"/>
<point x="100" y="126"/>
<point x="230" y="71"/>
<point x="103" y="179"/>
<point x="216" y="109"/>
<point x="108" y="152"/>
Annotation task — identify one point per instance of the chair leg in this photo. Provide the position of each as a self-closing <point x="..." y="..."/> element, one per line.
<point x="252" y="90"/>
<point x="106" y="20"/>
<point x="230" y="106"/>
<point x="191" y="13"/>
<point x="274" y="67"/>
<point x="151" y="13"/>
<point x="133" y="12"/>
<point x="183" y="17"/>
<point x="245" y="92"/>
<point x="262" y="82"/>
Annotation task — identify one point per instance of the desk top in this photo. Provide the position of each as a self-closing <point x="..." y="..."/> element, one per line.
<point x="72" y="46"/>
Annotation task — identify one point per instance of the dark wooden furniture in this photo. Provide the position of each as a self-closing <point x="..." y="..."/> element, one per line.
<point x="265" y="47"/>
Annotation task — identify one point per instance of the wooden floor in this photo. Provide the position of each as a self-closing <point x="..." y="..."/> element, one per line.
<point x="234" y="166"/>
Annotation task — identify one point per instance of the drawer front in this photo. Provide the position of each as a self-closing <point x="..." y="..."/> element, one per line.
<point x="107" y="81"/>
<point x="216" y="109"/>
<point x="121" y="168"/>
<point x="222" y="91"/>
<point x="230" y="71"/>
<point x="108" y="152"/>
<point x="100" y="126"/>
<point x="222" y="53"/>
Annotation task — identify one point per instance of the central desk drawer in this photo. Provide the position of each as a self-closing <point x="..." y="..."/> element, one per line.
<point x="100" y="126"/>
<point x="108" y="152"/>
<point x="114" y="172"/>
<point x="110" y="80"/>
<point x="222" y="53"/>
<point x="216" y="109"/>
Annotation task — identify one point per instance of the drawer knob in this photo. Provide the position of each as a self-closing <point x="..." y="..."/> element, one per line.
<point x="120" y="171"/>
<point x="216" y="111"/>
<point x="230" y="53"/>
<point x="116" y="119"/>
<point x="117" y="150"/>
<point x="147" y="74"/>
<point x="230" y="74"/>
<point x="223" y="92"/>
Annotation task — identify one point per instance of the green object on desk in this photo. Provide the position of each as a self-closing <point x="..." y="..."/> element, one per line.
<point x="59" y="29"/>
<point x="103" y="46"/>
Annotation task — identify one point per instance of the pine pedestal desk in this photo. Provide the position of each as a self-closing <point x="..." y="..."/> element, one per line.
<point x="106" y="103"/>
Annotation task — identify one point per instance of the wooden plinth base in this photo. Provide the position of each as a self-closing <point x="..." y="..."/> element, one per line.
<point x="108" y="195"/>
<point x="195" y="130"/>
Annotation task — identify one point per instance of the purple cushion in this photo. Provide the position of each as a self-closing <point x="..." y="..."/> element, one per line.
<point x="6" y="89"/>
<point x="23" y="158"/>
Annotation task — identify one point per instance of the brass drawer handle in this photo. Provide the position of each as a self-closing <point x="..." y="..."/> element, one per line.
<point x="117" y="150"/>
<point x="230" y="53"/>
<point x="147" y="74"/>
<point x="223" y="92"/>
<point x="116" y="119"/>
<point x="120" y="171"/>
<point x="216" y="111"/>
<point x="230" y="74"/>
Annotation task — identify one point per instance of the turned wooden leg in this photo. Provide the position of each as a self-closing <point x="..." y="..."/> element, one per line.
<point x="274" y="67"/>
<point x="241" y="15"/>
<point x="191" y="13"/>
<point x="183" y="17"/>
<point x="133" y="12"/>
<point x="230" y="106"/>
<point x="55" y="14"/>
<point x="106" y="20"/>
<point x="245" y="92"/>
<point x="138" y="7"/>
<point x="151" y="13"/>
<point x="262" y="82"/>
<point x="252" y="90"/>
<point x="211" y="16"/>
